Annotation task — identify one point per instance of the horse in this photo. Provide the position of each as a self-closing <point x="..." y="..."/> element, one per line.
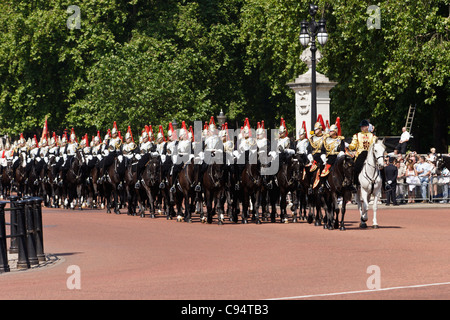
<point x="370" y="182"/>
<point x="252" y="185"/>
<point x="130" y="179"/>
<point x="75" y="179"/>
<point x="113" y="183"/>
<point x="314" y="193"/>
<point x="214" y="186"/>
<point x="339" y="182"/>
<point x="152" y="176"/>
<point x="302" y="189"/>
<point x="5" y="179"/>
<point x="92" y="186"/>
<point x="20" y="174"/>
<point x="188" y="178"/>
<point x="288" y="177"/>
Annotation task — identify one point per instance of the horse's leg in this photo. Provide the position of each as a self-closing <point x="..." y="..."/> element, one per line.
<point x="116" y="200"/>
<point x="375" y="206"/>
<point x="220" y="208"/>
<point x="209" y="206"/>
<point x="245" y="206"/>
<point x="283" y="206"/>
<point x="364" y="207"/>
<point x="343" y="209"/>
<point x="318" y="204"/>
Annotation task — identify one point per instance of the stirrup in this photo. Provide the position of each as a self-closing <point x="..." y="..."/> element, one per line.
<point x="198" y="188"/>
<point x="137" y="185"/>
<point x="162" y="185"/>
<point x="325" y="173"/>
<point x="172" y="189"/>
<point x="236" y="187"/>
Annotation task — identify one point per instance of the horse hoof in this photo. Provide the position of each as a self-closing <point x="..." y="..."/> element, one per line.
<point x="220" y="222"/>
<point x="317" y="223"/>
<point x="258" y="221"/>
<point x="363" y="225"/>
<point x="244" y="221"/>
<point x="342" y="228"/>
<point x="375" y="226"/>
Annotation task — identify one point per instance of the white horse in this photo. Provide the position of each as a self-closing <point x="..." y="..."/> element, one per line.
<point x="370" y="182"/>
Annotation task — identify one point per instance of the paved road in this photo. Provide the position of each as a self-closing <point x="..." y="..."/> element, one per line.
<point x="125" y="257"/>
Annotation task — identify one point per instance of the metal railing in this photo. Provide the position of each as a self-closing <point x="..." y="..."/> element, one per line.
<point x="425" y="191"/>
<point x="26" y="232"/>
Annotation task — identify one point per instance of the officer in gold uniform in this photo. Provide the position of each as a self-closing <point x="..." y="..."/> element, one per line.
<point x="333" y="146"/>
<point x="361" y="142"/>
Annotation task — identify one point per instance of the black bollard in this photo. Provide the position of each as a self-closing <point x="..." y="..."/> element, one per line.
<point x="31" y="231"/>
<point x="22" y="262"/>
<point x="39" y="236"/>
<point x="4" y="267"/>
<point x="13" y="243"/>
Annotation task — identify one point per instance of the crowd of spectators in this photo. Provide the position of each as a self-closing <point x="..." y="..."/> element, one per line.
<point x="419" y="179"/>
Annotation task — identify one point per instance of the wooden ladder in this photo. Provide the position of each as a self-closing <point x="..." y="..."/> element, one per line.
<point x="410" y="118"/>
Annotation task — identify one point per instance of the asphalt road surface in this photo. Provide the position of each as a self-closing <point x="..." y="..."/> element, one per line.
<point x="109" y="256"/>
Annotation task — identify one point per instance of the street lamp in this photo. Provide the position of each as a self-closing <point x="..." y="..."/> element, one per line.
<point x="308" y="33"/>
<point x="221" y="118"/>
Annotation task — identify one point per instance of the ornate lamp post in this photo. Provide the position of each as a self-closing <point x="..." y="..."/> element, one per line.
<point x="308" y="33"/>
<point x="221" y="118"/>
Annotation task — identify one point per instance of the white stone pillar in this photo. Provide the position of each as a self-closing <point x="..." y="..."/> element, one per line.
<point x="302" y="88"/>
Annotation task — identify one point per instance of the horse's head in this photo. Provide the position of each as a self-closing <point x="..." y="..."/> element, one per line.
<point x="154" y="169"/>
<point x="347" y="170"/>
<point x="294" y="168"/>
<point x="378" y="149"/>
<point x="217" y="174"/>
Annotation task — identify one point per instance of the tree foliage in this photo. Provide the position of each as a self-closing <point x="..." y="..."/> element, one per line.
<point x="142" y="62"/>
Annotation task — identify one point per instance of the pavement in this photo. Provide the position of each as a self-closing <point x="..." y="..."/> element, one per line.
<point x="125" y="257"/>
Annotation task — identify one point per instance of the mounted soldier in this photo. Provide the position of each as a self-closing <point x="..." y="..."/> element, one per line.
<point x="361" y="143"/>
<point x="333" y="146"/>
<point x="114" y="145"/>
<point x="315" y="150"/>
<point x="247" y="147"/>
<point x="302" y="143"/>
<point x="146" y="147"/>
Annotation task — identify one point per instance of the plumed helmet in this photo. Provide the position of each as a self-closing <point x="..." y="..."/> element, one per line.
<point x="334" y="128"/>
<point x="318" y="125"/>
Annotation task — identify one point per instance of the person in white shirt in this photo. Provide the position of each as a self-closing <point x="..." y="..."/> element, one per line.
<point x="402" y="143"/>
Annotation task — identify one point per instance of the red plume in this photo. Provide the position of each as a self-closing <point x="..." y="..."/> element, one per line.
<point x="306" y="131"/>
<point x="131" y="133"/>
<point x="161" y="130"/>
<point x="192" y="133"/>
<point x="338" y="125"/>
<point x="320" y="119"/>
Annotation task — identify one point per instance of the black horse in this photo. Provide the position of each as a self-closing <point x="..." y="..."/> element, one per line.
<point x="188" y="179"/>
<point x="214" y="186"/>
<point x="288" y="178"/>
<point x="113" y="185"/>
<point x="5" y="179"/>
<point x="314" y="194"/>
<point x="152" y="176"/>
<point x="130" y="179"/>
<point x="339" y="183"/>
<point x="252" y="186"/>
<point x="75" y="179"/>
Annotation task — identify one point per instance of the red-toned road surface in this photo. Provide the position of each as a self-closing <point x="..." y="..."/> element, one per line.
<point x="125" y="257"/>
